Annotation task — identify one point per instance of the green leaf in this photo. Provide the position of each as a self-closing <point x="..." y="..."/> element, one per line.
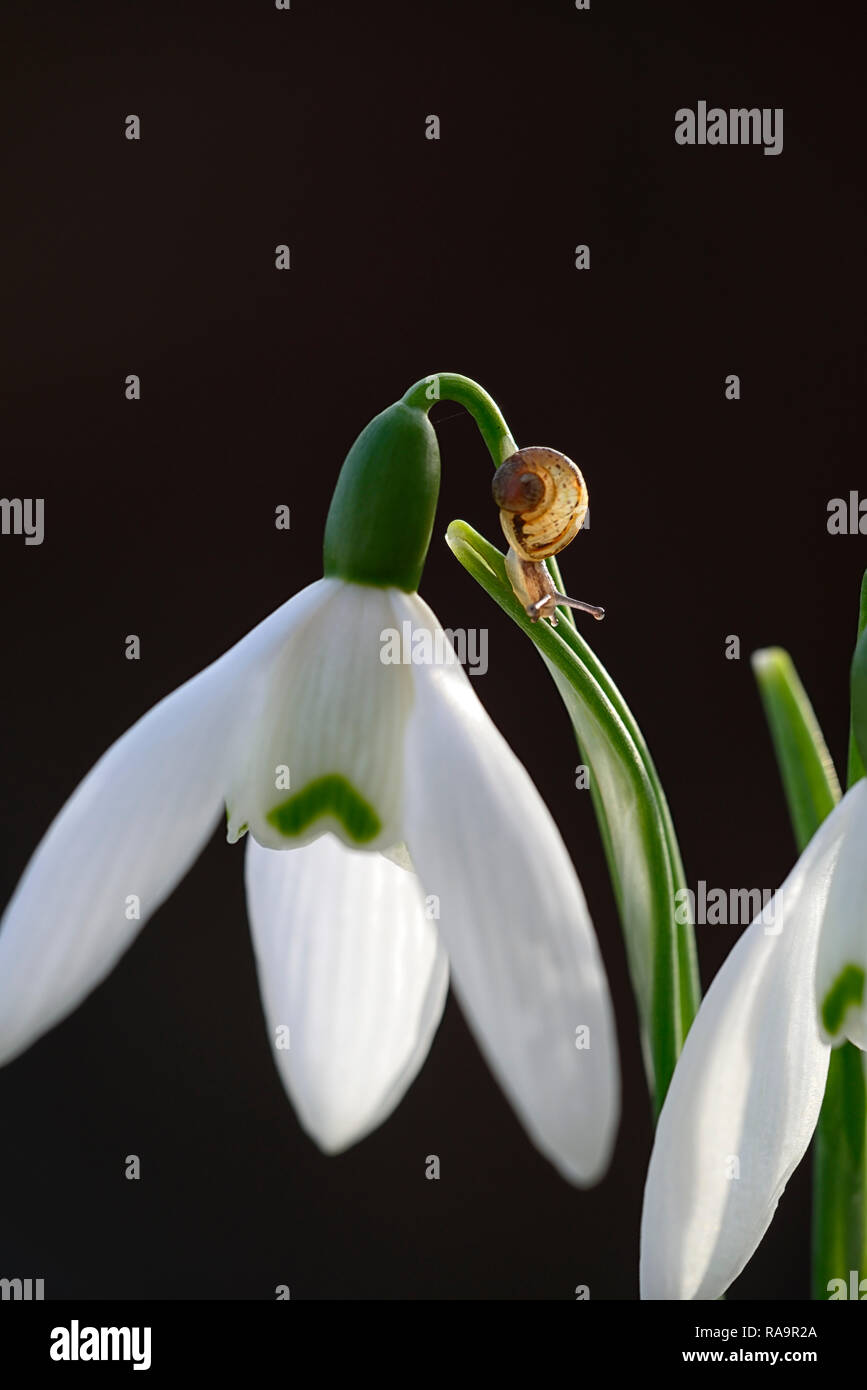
<point x="688" y="978"/>
<point x="634" y="819"/>
<point x="858" y="727"/>
<point x="839" y="1166"/>
<point x="806" y="767"/>
<point x="812" y="791"/>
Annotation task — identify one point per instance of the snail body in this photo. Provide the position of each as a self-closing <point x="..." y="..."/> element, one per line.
<point x="543" y="501"/>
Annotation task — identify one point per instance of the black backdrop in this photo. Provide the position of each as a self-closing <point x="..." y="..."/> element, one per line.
<point x="307" y="127"/>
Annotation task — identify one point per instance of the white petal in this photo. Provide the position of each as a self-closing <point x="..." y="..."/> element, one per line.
<point x="842" y="958"/>
<point x="746" y="1092"/>
<point x="524" y="959"/>
<point x="350" y="965"/>
<point x="130" y="830"/>
<point x="330" y="715"/>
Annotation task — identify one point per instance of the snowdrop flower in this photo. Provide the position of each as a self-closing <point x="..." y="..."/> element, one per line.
<point x="392" y="836"/>
<point x="746" y="1093"/>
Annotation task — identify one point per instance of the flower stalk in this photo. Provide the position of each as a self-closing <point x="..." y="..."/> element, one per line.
<point x="450" y="386"/>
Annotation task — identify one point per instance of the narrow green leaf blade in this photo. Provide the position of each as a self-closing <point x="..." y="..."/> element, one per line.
<point x="858" y="726"/>
<point x="812" y="790"/>
<point x="633" y="825"/>
<point x="807" y="770"/>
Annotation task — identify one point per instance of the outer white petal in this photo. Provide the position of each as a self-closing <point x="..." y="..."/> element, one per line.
<point x="746" y="1092"/>
<point x="843" y="941"/>
<point x="330" y="708"/>
<point x="350" y="965"/>
<point x="524" y="959"/>
<point x="132" y="827"/>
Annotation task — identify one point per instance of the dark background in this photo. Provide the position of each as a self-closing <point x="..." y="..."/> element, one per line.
<point x="408" y="256"/>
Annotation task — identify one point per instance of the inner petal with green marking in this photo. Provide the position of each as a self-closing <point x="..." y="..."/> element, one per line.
<point x="333" y="796"/>
<point x="324" y="732"/>
<point x="846" y="992"/>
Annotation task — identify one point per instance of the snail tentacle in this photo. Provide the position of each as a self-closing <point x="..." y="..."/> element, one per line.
<point x="534" y="589"/>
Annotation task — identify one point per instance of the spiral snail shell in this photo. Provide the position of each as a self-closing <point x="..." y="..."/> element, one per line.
<point x="542" y="499"/>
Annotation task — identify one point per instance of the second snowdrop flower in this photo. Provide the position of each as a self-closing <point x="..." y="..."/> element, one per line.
<point x="746" y="1093"/>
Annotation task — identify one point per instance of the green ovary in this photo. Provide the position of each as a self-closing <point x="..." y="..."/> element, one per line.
<point x="331" y="795"/>
<point x="846" y="991"/>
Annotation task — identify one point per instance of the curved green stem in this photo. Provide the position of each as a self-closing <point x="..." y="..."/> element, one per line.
<point x="449" y="386"/>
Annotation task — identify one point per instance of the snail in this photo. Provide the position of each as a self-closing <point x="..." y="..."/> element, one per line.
<point x="542" y="499"/>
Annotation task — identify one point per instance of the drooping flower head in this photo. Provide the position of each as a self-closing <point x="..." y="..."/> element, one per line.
<point x="391" y="836"/>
